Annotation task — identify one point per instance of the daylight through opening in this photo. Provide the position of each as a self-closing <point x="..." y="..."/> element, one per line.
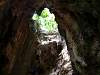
<point x="48" y="35"/>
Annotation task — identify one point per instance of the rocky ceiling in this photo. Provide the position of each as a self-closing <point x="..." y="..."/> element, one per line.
<point x="79" y="24"/>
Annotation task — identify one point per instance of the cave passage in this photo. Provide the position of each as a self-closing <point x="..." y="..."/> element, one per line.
<point x="53" y="57"/>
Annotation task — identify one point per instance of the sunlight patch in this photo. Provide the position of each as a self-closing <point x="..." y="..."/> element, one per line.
<point x="45" y="22"/>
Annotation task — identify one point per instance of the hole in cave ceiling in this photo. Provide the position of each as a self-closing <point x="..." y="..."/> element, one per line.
<point x="45" y="26"/>
<point x="47" y="32"/>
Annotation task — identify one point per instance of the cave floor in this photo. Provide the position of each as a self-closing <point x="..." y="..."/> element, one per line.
<point x="52" y="57"/>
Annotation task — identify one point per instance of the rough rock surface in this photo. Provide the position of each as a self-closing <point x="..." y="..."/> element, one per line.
<point x="79" y="24"/>
<point x="51" y="57"/>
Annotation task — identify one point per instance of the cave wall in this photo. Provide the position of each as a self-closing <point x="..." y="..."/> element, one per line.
<point x="16" y="38"/>
<point x="78" y="24"/>
<point x="79" y="20"/>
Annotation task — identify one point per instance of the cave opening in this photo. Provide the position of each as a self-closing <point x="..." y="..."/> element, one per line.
<point x="52" y="53"/>
<point x="78" y="22"/>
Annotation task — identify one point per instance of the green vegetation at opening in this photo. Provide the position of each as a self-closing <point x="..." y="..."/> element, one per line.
<point x="45" y="22"/>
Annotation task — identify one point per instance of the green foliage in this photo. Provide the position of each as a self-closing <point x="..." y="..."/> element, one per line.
<point x="46" y="21"/>
<point x="35" y="17"/>
<point x="45" y="13"/>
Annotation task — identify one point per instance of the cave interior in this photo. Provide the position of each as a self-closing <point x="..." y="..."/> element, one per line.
<point x="79" y="29"/>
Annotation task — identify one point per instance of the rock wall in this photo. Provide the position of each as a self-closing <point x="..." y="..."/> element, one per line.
<point x="78" y="24"/>
<point x="79" y="20"/>
<point x="15" y="38"/>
